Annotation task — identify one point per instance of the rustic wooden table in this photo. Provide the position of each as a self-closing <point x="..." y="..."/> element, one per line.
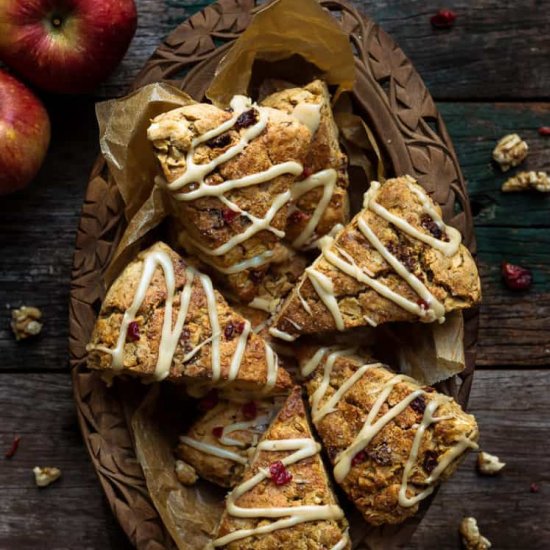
<point x="490" y="76"/>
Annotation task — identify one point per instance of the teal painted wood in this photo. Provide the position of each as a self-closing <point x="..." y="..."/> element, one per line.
<point x="475" y="128"/>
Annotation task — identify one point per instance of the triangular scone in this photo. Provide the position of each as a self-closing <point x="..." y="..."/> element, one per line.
<point x="217" y="445"/>
<point x="395" y="261"/>
<point x="390" y="440"/>
<point x="205" y="343"/>
<point x="230" y="174"/>
<point x="320" y="202"/>
<point x="285" y="499"/>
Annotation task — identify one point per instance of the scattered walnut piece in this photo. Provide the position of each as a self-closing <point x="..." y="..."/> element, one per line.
<point x="510" y="151"/>
<point x="488" y="464"/>
<point x="45" y="476"/>
<point x="186" y="473"/>
<point x="25" y="322"/>
<point x="471" y="537"/>
<point x="525" y="181"/>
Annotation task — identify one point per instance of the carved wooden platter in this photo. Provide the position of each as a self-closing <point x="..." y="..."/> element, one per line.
<point x="389" y="94"/>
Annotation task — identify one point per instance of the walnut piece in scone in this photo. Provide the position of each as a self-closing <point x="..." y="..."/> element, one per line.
<point x="510" y="151"/>
<point x="206" y="343"/>
<point x="25" y="322"/>
<point x="488" y="464"/>
<point x="285" y="473"/>
<point x="185" y="473"/>
<point x="217" y="445"/>
<point x="395" y="261"/>
<point x="44" y="476"/>
<point x="316" y="211"/>
<point x="526" y="181"/>
<point x="472" y="539"/>
<point x="390" y="440"/>
<point x="230" y="175"/>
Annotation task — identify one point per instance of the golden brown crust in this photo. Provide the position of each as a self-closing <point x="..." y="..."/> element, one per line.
<point x="140" y="357"/>
<point x="224" y="471"/>
<point x="284" y="139"/>
<point x="324" y="153"/>
<point x="373" y="483"/>
<point x="454" y="281"/>
<point x="309" y="486"/>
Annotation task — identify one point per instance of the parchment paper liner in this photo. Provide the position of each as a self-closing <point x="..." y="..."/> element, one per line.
<point x="277" y="32"/>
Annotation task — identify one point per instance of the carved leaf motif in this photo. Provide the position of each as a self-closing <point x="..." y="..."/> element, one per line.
<point x="405" y="117"/>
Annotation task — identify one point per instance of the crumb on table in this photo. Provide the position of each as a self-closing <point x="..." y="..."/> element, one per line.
<point x="25" y="322"/>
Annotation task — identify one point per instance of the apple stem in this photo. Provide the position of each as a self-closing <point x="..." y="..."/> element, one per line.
<point x="56" y="22"/>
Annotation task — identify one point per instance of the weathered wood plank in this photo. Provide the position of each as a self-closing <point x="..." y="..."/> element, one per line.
<point x="511" y="407"/>
<point x="72" y="513"/>
<point x="475" y="129"/>
<point x="479" y="58"/>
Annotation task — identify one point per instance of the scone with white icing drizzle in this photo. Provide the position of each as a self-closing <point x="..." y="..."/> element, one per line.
<point x="162" y="319"/>
<point x="217" y="445"/>
<point x="395" y="261"/>
<point x="320" y="198"/>
<point x="390" y="440"/>
<point x="285" y="499"/>
<point x="230" y="173"/>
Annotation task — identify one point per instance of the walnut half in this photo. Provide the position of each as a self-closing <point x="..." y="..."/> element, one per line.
<point x="185" y="473"/>
<point x="510" y="151"/>
<point x="25" y="322"/>
<point x="488" y="464"/>
<point x="472" y="539"/>
<point x="525" y="181"/>
<point x="44" y="476"/>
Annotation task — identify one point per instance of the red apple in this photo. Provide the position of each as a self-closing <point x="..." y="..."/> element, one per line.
<point x="66" y="46"/>
<point x="24" y="134"/>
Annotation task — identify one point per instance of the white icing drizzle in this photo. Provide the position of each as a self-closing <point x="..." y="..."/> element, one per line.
<point x="290" y="515"/>
<point x="264" y="304"/>
<point x="325" y="289"/>
<point x="309" y="114"/>
<point x="343" y="542"/>
<point x="170" y="335"/>
<point x="282" y="334"/>
<point x="428" y="308"/>
<point x="305" y="305"/>
<point x="373" y="426"/>
<point x="213" y="450"/>
<point x="248" y="425"/>
<point x="252" y="263"/>
<point x="327" y="179"/>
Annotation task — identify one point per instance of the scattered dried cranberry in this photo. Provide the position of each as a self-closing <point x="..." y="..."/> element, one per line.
<point x="232" y="329"/>
<point x="185" y="334"/>
<point x="361" y="456"/>
<point x="443" y="19"/>
<point x="209" y="401"/>
<point x="250" y="410"/>
<point x="220" y="141"/>
<point x="217" y="431"/>
<point x="423" y="304"/>
<point x="14" y="446"/>
<point x="430" y="225"/>
<point x="534" y="488"/>
<point x="516" y="277"/>
<point x="544" y="131"/>
<point x="419" y="404"/>
<point x="306" y="172"/>
<point x="430" y="461"/>
<point x="133" y="332"/>
<point x="229" y="215"/>
<point x="298" y="216"/>
<point x="279" y="474"/>
<point x="246" y="119"/>
<point x="382" y="454"/>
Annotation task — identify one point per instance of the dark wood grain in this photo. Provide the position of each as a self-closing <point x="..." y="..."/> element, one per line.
<point x="72" y="512"/>
<point x="496" y="49"/>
